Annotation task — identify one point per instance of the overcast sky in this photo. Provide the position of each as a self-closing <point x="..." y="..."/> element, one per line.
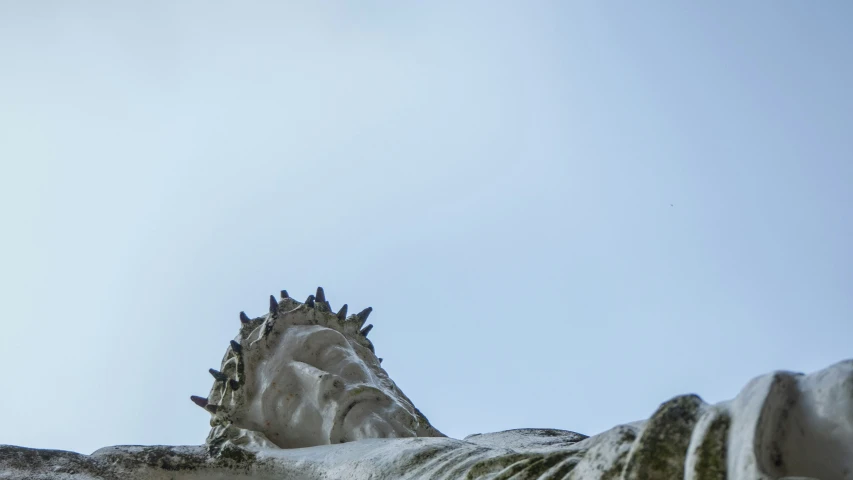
<point x="563" y="213"/>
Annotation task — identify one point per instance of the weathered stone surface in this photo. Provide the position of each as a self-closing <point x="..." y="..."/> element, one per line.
<point x="661" y="450"/>
<point x="706" y="459"/>
<point x="300" y="394"/>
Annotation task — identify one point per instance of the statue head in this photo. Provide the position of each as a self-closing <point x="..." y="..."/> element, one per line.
<point x="303" y="376"/>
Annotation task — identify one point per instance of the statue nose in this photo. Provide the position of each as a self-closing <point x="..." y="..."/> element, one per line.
<point x="330" y="386"/>
<point x="317" y="383"/>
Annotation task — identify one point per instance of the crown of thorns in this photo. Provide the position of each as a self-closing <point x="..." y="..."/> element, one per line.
<point x="250" y="344"/>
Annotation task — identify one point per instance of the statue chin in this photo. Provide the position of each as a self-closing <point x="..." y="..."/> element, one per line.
<point x="370" y="420"/>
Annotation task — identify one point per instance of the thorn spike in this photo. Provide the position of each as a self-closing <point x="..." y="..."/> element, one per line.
<point x="284" y="294"/>
<point x="219" y="376"/>
<point x="364" y="331"/>
<point x="310" y="301"/>
<point x="342" y="313"/>
<point x="321" y="295"/>
<point x="380" y="361"/>
<point x="234" y="384"/>
<point x="200" y="401"/>
<point x="244" y="318"/>
<point x="273" y="305"/>
<point x="238" y="349"/>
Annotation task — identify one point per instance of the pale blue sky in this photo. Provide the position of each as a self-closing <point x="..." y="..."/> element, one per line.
<point x="494" y="178"/>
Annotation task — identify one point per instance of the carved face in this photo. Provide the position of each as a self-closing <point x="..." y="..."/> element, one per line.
<point x="317" y="387"/>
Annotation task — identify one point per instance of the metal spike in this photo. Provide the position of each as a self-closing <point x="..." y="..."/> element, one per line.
<point x="342" y="313"/>
<point x="211" y="408"/>
<point x="362" y="315"/>
<point x="200" y="401"/>
<point x="321" y="295"/>
<point x="364" y="331"/>
<point x="236" y="347"/>
<point x="380" y="361"/>
<point x="219" y="376"/>
<point x="310" y="301"/>
<point x="244" y="318"/>
<point x="273" y="305"/>
<point x="284" y="294"/>
<point x="234" y="384"/>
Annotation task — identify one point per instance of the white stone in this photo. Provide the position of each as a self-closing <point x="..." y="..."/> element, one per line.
<point x="302" y="395"/>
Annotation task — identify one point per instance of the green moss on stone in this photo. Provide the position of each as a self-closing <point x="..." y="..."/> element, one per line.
<point x="235" y="454"/>
<point x="615" y="471"/>
<point x="660" y="451"/>
<point x="491" y="465"/>
<point x="711" y="461"/>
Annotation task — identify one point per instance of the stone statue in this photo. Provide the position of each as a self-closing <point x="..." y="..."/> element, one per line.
<point x="301" y="394"/>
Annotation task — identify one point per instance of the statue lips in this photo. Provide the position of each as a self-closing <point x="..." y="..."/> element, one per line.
<point x="348" y="401"/>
